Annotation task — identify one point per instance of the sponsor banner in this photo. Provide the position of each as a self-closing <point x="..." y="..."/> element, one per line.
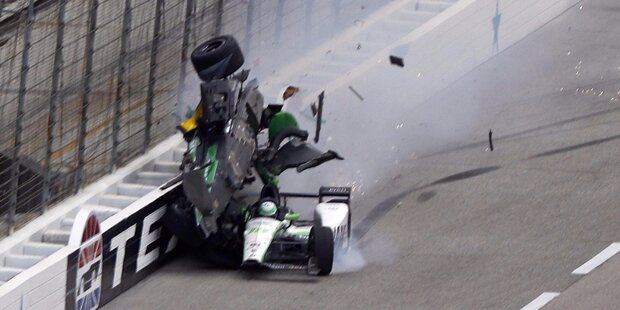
<point x="110" y="262"/>
<point x="85" y="277"/>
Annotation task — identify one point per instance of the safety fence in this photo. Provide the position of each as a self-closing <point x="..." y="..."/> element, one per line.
<point x="87" y="85"/>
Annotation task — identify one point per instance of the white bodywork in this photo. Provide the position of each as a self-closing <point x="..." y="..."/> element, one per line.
<point x="334" y="215"/>
<point x="259" y="233"/>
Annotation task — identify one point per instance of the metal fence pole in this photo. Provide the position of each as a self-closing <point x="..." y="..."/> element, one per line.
<point x="277" y="36"/>
<point x="248" y="26"/>
<point x="51" y="119"/>
<point x="21" y="101"/>
<point x="150" y="96"/>
<point x="308" y="22"/>
<point x="337" y="4"/>
<point x="87" y="79"/>
<point x="219" y="16"/>
<point x="120" y="83"/>
<point x="189" y="12"/>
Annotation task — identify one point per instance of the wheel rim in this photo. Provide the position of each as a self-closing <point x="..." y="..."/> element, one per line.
<point x="212" y="46"/>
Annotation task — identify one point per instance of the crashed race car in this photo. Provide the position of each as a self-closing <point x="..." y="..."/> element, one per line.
<point x="216" y="214"/>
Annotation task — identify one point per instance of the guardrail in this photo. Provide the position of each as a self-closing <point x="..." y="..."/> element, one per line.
<point x="100" y="262"/>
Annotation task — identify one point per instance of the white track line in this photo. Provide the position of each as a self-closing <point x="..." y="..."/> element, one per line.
<point x="541" y="301"/>
<point x="599" y="259"/>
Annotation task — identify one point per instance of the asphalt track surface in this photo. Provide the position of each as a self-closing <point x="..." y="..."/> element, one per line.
<point x="445" y="223"/>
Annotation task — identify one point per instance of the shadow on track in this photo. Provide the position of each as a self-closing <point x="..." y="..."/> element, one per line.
<point x="387" y="205"/>
<point x="576" y="147"/>
<point x="523" y="132"/>
<point x="278" y="276"/>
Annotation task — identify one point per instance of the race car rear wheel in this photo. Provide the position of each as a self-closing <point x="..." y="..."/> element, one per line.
<point x="322" y="249"/>
<point x="217" y="58"/>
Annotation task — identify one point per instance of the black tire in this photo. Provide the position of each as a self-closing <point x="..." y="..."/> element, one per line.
<point x="217" y="58"/>
<point x="322" y="249"/>
<point x="179" y="222"/>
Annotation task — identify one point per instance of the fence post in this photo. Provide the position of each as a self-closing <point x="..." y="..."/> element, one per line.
<point x="88" y="72"/>
<point x="21" y="101"/>
<point x="51" y="118"/>
<point x="150" y="96"/>
<point x="277" y="36"/>
<point x="249" y="22"/>
<point x="189" y="12"/>
<point x="308" y="22"/>
<point x="120" y="83"/>
<point x="219" y="16"/>
<point x="337" y="4"/>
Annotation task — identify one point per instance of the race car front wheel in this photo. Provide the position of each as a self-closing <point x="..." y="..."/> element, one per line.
<point x="217" y="58"/>
<point x="322" y="249"/>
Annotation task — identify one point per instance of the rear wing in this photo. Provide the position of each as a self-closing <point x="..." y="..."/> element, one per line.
<point x="337" y="194"/>
<point x="326" y="194"/>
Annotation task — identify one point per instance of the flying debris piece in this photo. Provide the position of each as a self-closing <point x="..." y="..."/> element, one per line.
<point x="359" y="46"/>
<point x="356" y="93"/>
<point x="397" y="61"/>
<point x="314" y="109"/>
<point x="290" y="92"/>
<point x="491" y="140"/>
<point x="319" y="117"/>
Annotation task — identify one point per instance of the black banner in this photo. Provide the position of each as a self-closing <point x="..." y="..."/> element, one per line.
<point x="132" y="249"/>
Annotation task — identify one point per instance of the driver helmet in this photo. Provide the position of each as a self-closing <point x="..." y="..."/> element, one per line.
<point x="267" y="208"/>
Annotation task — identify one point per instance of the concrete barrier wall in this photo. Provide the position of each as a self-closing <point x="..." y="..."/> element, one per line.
<point x="132" y="244"/>
<point x="45" y="287"/>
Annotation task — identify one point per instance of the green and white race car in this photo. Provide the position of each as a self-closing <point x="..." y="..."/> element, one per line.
<point x="275" y="237"/>
<point x="222" y="158"/>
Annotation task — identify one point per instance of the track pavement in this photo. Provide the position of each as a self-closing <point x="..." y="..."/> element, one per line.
<point x="445" y="223"/>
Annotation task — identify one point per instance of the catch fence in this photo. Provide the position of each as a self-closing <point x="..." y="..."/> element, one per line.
<point x="87" y="85"/>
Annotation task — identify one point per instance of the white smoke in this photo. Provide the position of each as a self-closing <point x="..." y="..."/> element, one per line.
<point x="362" y="254"/>
<point x="190" y="95"/>
<point x="349" y="260"/>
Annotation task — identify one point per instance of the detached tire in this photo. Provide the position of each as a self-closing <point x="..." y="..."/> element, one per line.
<point x="322" y="246"/>
<point x="217" y="58"/>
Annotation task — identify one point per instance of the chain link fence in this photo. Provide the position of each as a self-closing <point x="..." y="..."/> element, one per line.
<point x="87" y="85"/>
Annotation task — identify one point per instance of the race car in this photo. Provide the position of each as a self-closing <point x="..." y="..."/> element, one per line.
<point x="276" y="238"/>
<point x="224" y="155"/>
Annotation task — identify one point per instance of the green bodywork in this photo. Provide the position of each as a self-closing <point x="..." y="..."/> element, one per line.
<point x="303" y="231"/>
<point x="266" y="176"/>
<point x="280" y="121"/>
<point x="292" y="216"/>
<point x="212" y="169"/>
<point x="193" y="147"/>
<point x="197" y="216"/>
